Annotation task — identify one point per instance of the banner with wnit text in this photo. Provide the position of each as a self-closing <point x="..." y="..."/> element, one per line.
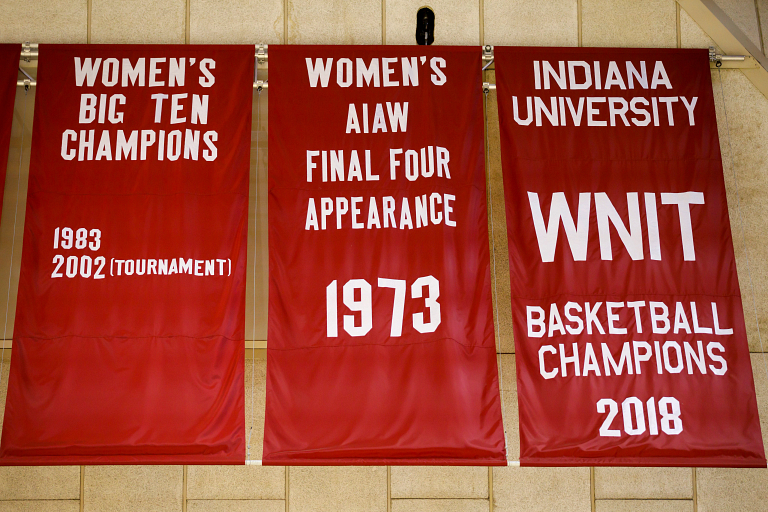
<point x="381" y="343"/>
<point x="629" y="331"/>
<point x="128" y="342"/>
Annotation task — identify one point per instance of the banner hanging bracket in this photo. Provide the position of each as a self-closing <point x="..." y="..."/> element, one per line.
<point x="719" y="59"/>
<point x="261" y="56"/>
<point x="28" y="51"/>
<point x="487" y="55"/>
<point x="28" y="81"/>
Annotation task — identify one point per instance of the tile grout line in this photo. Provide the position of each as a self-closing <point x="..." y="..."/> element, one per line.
<point x="640" y="499"/>
<point x="82" y="488"/>
<point x="695" y="492"/>
<point x="287" y="487"/>
<point x="88" y="22"/>
<point x="384" y="25"/>
<point x="578" y="21"/>
<point x="285" y="32"/>
<point x="490" y="488"/>
<point x="389" y="488"/>
<point x="187" y="9"/>
<point x="184" y="490"/>
<point x="463" y="500"/>
<point x="677" y="26"/>
<point x="592" y="488"/>
<point x="482" y="23"/>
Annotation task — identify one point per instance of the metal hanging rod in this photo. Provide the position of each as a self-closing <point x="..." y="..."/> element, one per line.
<point x="258" y="84"/>
<point x="31" y="51"/>
<point x="31" y="82"/>
<point x="718" y="59"/>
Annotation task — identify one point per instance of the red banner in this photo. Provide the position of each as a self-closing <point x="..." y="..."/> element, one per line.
<point x="9" y="64"/>
<point x="381" y="343"/>
<point x="629" y="331"/>
<point x="129" y="337"/>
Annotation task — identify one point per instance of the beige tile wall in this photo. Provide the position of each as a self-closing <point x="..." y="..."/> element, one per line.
<point x="131" y="488"/>
<point x="343" y="489"/>
<point x="650" y="23"/>
<point x="744" y="15"/>
<point x="644" y="483"/>
<point x="541" y="489"/>
<point x="438" y="482"/>
<point x="138" y="21"/>
<point x="244" y="22"/>
<point x="44" y="21"/>
<point x="235" y="483"/>
<point x="334" y="22"/>
<point x="527" y="23"/>
<point x="654" y="23"/>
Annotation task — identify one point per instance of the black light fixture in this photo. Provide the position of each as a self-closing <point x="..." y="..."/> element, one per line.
<point x="425" y="26"/>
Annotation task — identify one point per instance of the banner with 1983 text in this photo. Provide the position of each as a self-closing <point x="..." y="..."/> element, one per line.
<point x="630" y="340"/>
<point x="128" y="342"/>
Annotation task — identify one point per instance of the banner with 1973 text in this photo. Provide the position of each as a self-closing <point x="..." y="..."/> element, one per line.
<point x="381" y="342"/>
